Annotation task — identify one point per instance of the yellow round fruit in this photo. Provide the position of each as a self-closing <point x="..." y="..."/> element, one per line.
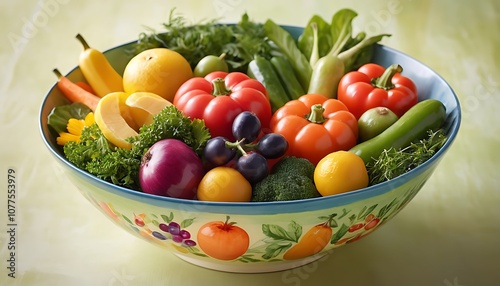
<point x="224" y="184"/>
<point x="340" y="172"/>
<point x="158" y="70"/>
<point x="108" y="116"/>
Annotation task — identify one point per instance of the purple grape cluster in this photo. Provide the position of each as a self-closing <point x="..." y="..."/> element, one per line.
<point x="177" y="234"/>
<point x="250" y="156"/>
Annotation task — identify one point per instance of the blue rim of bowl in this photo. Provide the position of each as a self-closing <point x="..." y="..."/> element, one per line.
<point x="264" y="208"/>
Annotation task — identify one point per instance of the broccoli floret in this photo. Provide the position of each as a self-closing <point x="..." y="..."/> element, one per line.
<point x="293" y="164"/>
<point x="284" y="187"/>
<point x="292" y="178"/>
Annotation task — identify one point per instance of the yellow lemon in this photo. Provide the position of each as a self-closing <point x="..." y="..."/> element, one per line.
<point x="158" y="70"/>
<point x="109" y="118"/>
<point x="340" y="172"/>
<point x="144" y="105"/>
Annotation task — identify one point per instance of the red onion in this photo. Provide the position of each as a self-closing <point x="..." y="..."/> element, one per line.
<point x="171" y="168"/>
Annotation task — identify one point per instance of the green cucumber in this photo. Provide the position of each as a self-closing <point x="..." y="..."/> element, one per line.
<point x="288" y="79"/>
<point x="262" y="70"/>
<point x="426" y="115"/>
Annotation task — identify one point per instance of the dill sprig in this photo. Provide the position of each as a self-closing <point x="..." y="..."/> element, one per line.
<point x="240" y="42"/>
<point x="392" y="162"/>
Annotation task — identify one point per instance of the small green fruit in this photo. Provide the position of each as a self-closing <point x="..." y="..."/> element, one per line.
<point x="374" y="121"/>
<point x="210" y="64"/>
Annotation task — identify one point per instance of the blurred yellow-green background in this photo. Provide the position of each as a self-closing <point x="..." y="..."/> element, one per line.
<point x="448" y="235"/>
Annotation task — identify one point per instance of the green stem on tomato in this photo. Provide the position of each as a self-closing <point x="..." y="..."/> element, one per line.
<point x="219" y="87"/>
<point x="316" y="115"/>
<point x="227" y="225"/>
<point x="385" y="80"/>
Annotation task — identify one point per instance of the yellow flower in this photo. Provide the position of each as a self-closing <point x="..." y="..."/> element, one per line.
<point x="75" y="127"/>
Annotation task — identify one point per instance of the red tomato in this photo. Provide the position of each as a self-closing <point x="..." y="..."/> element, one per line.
<point x="219" y="97"/>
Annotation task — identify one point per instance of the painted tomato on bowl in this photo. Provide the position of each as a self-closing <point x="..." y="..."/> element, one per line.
<point x="223" y="240"/>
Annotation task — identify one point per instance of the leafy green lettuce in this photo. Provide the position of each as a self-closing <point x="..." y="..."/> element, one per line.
<point x="60" y="115"/>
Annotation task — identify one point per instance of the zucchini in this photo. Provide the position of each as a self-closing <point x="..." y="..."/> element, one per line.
<point x="426" y="115"/>
<point x="262" y="70"/>
<point x="288" y="79"/>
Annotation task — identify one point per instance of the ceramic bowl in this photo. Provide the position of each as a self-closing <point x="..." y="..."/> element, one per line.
<point x="273" y="228"/>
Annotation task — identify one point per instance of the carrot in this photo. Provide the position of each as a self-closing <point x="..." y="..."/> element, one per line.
<point x="74" y="92"/>
<point x="85" y="86"/>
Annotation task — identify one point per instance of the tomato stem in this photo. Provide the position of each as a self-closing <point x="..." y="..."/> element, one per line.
<point x="219" y="87"/>
<point x="227" y="225"/>
<point x="385" y="80"/>
<point x="316" y="115"/>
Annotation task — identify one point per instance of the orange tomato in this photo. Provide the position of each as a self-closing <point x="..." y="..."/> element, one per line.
<point x="315" y="126"/>
<point x="223" y="240"/>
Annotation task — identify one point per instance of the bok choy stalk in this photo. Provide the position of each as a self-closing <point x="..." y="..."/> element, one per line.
<point x="316" y="39"/>
<point x="329" y="69"/>
<point x="315" y="51"/>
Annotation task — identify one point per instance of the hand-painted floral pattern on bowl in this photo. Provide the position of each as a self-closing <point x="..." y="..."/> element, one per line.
<point x="285" y="238"/>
